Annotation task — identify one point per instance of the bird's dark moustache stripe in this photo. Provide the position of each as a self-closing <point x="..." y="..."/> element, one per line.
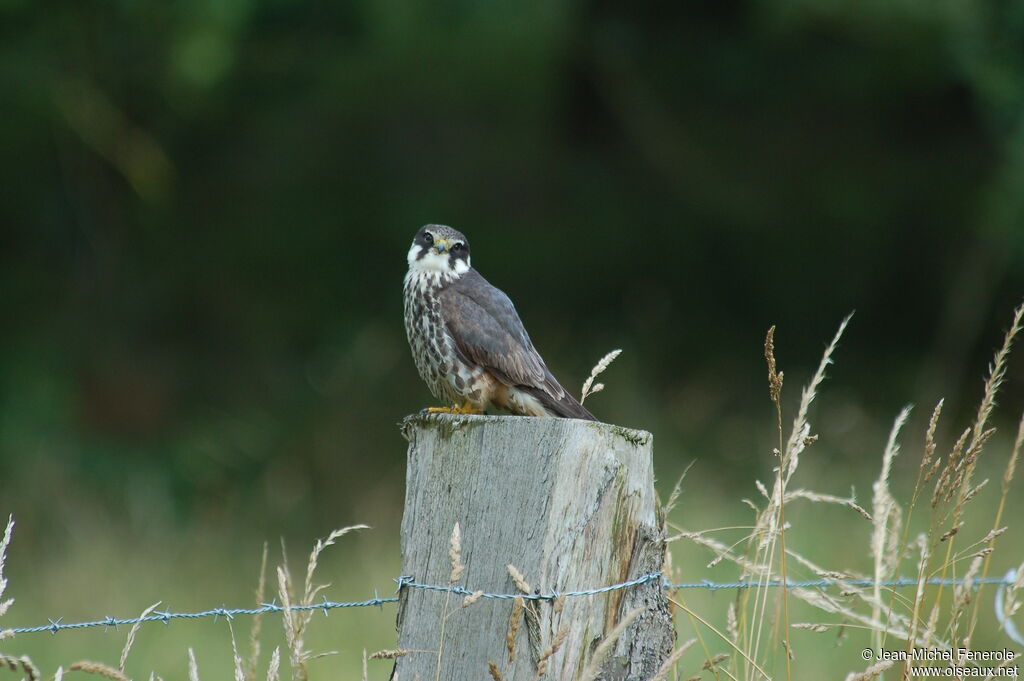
<point x="451" y="257"/>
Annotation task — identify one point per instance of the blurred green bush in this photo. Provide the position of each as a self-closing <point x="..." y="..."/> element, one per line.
<point x="207" y="207"/>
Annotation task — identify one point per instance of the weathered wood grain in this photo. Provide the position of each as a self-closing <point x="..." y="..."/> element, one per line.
<point x="571" y="504"/>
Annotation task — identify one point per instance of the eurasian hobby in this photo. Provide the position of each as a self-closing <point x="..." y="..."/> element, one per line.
<point x="469" y="344"/>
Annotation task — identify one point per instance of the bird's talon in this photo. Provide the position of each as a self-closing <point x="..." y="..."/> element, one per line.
<point x="466" y="408"/>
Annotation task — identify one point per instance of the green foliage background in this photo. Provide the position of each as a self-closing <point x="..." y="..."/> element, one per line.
<point x="206" y="208"/>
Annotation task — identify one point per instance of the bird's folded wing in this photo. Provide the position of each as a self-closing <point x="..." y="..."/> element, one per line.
<point x="487" y="331"/>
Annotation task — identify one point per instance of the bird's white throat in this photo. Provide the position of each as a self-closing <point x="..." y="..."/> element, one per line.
<point x="434" y="265"/>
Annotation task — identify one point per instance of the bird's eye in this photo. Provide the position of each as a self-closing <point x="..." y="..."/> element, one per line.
<point x="459" y="247"/>
<point x="428" y="237"/>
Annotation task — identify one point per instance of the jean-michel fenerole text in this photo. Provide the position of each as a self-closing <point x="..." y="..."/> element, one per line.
<point x="951" y="655"/>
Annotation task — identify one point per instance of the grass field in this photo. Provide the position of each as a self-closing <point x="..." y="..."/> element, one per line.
<point x="921" y="503"/>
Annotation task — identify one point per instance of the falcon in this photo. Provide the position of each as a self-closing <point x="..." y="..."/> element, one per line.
<point x="467" y="340"/>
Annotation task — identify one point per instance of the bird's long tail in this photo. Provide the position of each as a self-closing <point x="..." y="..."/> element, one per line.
<point x="567" y="407"/>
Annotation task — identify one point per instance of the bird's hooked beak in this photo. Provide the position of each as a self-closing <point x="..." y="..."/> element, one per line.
<point x="441" y="246"/>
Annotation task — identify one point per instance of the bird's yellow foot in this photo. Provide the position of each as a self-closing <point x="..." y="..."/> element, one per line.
<point x="466" y="408"/>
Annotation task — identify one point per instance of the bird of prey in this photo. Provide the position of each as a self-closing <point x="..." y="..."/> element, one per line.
<point x="468" y="343"/>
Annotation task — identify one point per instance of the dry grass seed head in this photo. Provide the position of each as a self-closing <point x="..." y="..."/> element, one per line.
<point x="4" y="543"/>
<point x="973" y="492"/>
<point x="801" y="429"/>
<point x="455" y="554"/>
<point x="929" y="441"/>
<point x="131" y="635"/>
<point x="732" y="625"/>
<point x="924" y="552"/>
<point x="1011" y="465"/>
<point x="677" y="489"/>
<point x="293" y="621"/>
<point x="193" y="666"/>
<point x="23" y="662"/>
<point x="872" y="672"/>
<point x="928" y="635"/>
<point x="588" y="386"/>
<point x="514" y="621"/>
<point x="970" y="459"/>
<point x="314" y="557"/>
<point x="99" y="669"/>
<point x="944" y="482"/>
<point x="774" y="376"/>
<point x="236" y="658"/>
<point x="959" y="480"/>
<point x="763" y="490"/>
<point x="993" y="534"/>
<point x="963" y="595"/>
<point x="1009" y="601"/>
<point x="817" y="497"/>
<point x="494" y="671"/>
<point x="996" y="374"/>
<point x="274" y="668"/>
<point x="957" y="473"/>
<point x="542" y="661"/>
<point x="472" y="598"/>
<point x="887" y="516"/>
<point x="724" y="552"/>
<point x="715" y="661"/>
<point x="518" y="579"/>
<point x="389" y="654"/>
<point x="896" y="624"/>
<point x="951" y="532"/>
<point x="886" y="525"/>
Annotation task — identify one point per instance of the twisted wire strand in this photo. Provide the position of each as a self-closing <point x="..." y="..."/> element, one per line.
<point x="408" y="582"/>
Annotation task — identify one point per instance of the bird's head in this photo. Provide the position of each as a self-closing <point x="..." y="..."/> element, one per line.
<point x="439" y="248"/>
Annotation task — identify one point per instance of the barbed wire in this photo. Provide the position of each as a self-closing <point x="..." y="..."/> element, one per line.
<point x="811" y="583"/>
<point x="407" y="582"/>
<point x="552" y="595"/>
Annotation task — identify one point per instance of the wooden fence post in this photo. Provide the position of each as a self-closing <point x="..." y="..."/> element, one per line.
<point x="570" y="504"/>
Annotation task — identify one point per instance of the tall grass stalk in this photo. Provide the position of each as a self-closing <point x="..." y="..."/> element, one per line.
<point x="943" y="488"/>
